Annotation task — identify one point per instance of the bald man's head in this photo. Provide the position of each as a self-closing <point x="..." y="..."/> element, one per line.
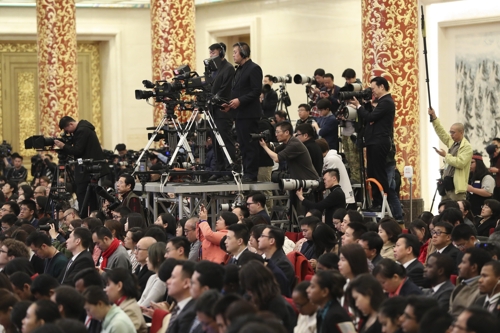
<point x="457" y="132"/>
<point x="141" y="249"/>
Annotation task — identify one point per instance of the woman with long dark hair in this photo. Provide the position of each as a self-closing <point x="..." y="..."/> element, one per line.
<point x="389" y="230"/>
<point x="481" y="184"/>
<point x="260" y="284"/>
<point x="123" y="290"/>
<point x="326" y="288"/>
<point x="324" y="239"/>
<point x="168" y="222"/>
<point x="389" y="313"/>
<point x="420" y="229"/>
<point x="490" y="213"/>
<point x="366" y="295"/>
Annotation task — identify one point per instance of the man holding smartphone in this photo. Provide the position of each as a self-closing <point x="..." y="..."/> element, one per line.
<point x="457" y="159"/>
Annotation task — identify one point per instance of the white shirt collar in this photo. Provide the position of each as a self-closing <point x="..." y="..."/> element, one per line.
<point x="493" y="298"/>
<point x="239" y="254"/>
<point x="76" y="255"/>
<point x="436" y="288"/>
<point x="408" y="263"/>
<point x="183" y="303"/>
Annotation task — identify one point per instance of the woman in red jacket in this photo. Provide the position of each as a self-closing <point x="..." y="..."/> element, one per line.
<point x="210" y="240"/>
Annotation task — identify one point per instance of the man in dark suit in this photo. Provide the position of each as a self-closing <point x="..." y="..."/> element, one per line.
<point x="372" y="243"/>
<point x="271" y="243"/>
<point x="489" y="286"/>
<point x="236" y="241"/>
<point x="406" y="253"/>
<point x="441" y="239"/>
<point x="269" y="97"/>
<point x="246" y="109"/>
<point x="78" y="244"/>
<point x="141" y="255"/>
<point x="437" y="272"/>
<point x="221" y="86"/>
<point x="178" y="287"/>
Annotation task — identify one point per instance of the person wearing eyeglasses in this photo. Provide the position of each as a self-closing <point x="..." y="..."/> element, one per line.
<point x="141" y="255"/>
<point x="441" y="239"/>
<point x="192" y="236"/>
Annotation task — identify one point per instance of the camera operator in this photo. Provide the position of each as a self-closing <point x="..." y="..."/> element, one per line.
<point x="327" y="126"/>
<point x="330" y="91"/>
<point x="125" y="187"/>
<point x="293" y="152"/>
<point x="121" y="148"/>
<point x="279" y="117"/>
<point x="245" y="105"/>
<point x="379" y="133"/>
<point x="334" y="200"/>
<point x="221" y="86"/>
<point x="349" y="135"/>
<point x="304" y="112"/>
<point x="85" y="145"/>
<point x="269" y="97"/>
<point x="305" y="133"/>
<point x="266" y="163"/>
<point x="50" y="168"/>
<point x="314" y="89"/>
<point x="17" y="173"/>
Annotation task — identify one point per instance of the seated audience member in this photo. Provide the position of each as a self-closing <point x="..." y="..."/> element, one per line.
<point x="155" y="288"/>
<point x="27" y="210"/>
<point x="453" y="216"/>
<point x="326" y="288"/>
<point x="334" y="200"/>
<point x="191" y="233"/>
<point x="489" y="287"/>
<point x="306" y="134"/>
<point x="11" y="249"/>
<point x="307" y="226"/>
<point x="271" y="243"/>
<point x="352" y="261"/>
<point x="372" y="243"/>
<point x="43" y="286"/>
<point x="447" y="203"/>
<point x="205" y="311"/>
<point x="86" y="278"/>
<point x="366" y="295"/>
<point x="241" y="211"/>
<point x="406" y="253"/>
<point x="78" y="243"/>
<point x="416" y="308"/>
<point x="122" y="290"/>
<point x="21" y="285"/>
<point x="8" y="220"/>
<point x="328" y="261"/>
<point x="390" y="313"/>
<point x="253" y="241"/>
<point x="236" y="241"/>
<point x="476" y="320"/>
<point x="113" y="253"/>
<point x="436" y="321"/>
<point x="69" y="301"/>
<point x="437" y="274"/>
<point x="221" y="307"/>
<point x="420" y="229"/>
<point x="9" y="190"/>
<point x="256" y="204"/>
<point x="306" y="321"/>
<point x="441" y="239"/>
<point x="142" y="271"/>
<point x="132" y="237"/>
<point x="258" y="281"/>
<point x="156" y="232"/>
<point x="114" y="319"/>
<point x="178" y="286"/>
<point x="392" y="277"/>
<point x="167" y="221"/>
<point x="465" y="208"/>
<point x="40" y="313"/>
<point x="10" y="207"/>
<point x="325" y="241"/>
<point x="463" y="237"/>
<point x="490" y="213"/>
<point x="389" y="230"/>
<point x="353" y="233"/>
<point x="177" y="248"/>
<point x="210" y="240"/>
<point x="467" y="292"/>
<point x="7" y="301"/>
<point x="351" y="216"/>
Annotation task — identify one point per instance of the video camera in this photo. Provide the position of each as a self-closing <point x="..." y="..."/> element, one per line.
<point x="5" y="149"/>
<point x="90" y="165"/>
<point x="40" y="142"/>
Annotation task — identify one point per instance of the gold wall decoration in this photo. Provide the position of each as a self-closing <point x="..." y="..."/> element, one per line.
<point x="57" y="63"/>
<point x="173" y="42"/>
<point x="26" y="91"/>
<point x="390" y="50"/>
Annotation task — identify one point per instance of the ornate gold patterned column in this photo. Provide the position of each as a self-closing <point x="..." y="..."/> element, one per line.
<point x="390" y="50"/>
<point x="172" y="32"/>
<point x="57" y="67"/>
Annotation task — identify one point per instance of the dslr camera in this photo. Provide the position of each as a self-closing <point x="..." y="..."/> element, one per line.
<point x="266" y="135"/>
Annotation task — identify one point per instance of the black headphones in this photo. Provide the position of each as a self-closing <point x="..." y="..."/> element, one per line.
<point x="243" y="54"/>
<point x="222" y="53"/>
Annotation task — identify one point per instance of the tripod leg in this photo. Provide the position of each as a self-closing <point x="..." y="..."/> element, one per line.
<point x="85" y="202"/>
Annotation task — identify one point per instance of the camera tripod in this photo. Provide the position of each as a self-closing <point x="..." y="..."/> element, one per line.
<point x="283" y="100"/>
<point x="91" y="189"/>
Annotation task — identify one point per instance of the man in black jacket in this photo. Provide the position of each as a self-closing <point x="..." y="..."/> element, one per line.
<point x="406" y="252"/>
<point x="305" y="133"/>
<point x="78" y="243"/>
<point x="85" y="145"/>
<point x="246" y="109"/>
<point x="269" y="97"/>
<point x="221" y="86"/>
<point x="379" y="133"/>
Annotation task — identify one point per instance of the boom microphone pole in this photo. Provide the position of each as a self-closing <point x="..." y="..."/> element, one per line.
<point x="425" y="57"/>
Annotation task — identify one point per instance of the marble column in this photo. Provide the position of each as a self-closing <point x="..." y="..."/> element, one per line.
<point x="390" y="49"/>
<point x="57" y="63"/>
<point x="172" y="33"/>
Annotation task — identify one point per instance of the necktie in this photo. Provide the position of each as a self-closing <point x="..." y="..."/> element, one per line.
<point x="66" y="271"/>
<point x="173" y="317"/>
<point x="487" y="305"/>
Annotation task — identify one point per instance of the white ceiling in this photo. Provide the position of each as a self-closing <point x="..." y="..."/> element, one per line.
<point x="105" y="3"/>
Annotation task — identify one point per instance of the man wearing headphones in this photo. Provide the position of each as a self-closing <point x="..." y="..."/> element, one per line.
<point x="221" y="86"/>
<point x="245" y="107"/>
